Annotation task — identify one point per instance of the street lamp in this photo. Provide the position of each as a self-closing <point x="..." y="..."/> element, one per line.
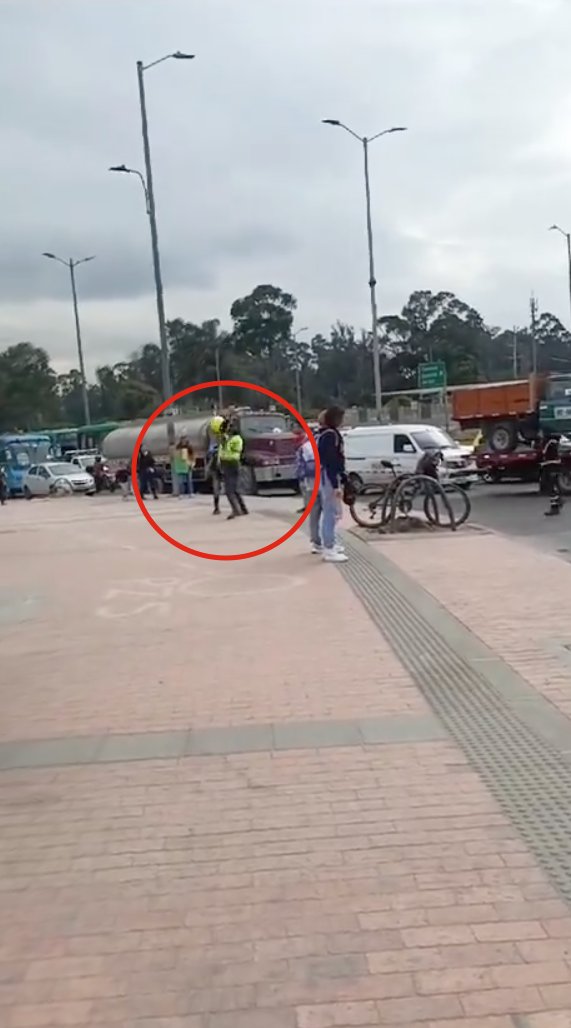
<point x="72" y="265"/>
<point x="298" y="369"/>
<point x="133" y="171"/>
<point x="365" y="140"/>
<point x="555" y="228"/>
<point x="147" y="183"/>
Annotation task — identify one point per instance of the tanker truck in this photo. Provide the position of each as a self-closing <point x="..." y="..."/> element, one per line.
<point x="269" y="447"/>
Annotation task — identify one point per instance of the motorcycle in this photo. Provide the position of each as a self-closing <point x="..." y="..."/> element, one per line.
<point x="103" y="477"/>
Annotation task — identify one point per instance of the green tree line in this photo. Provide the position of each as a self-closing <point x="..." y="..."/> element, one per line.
<point x="261" y="347"/>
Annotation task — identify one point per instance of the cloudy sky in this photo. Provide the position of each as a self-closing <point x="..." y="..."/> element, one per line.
<point x="251" y="188"/>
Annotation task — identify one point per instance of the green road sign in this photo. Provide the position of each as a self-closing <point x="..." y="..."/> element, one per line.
<point x="432" y="376"/>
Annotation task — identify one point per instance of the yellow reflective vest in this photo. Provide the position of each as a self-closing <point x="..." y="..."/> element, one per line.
<point x="230" y="449"/>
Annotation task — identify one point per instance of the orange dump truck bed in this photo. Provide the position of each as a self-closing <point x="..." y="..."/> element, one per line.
<point x="494" y="400"/>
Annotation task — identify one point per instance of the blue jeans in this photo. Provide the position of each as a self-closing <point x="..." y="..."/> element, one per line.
<point x="184" y="483"/>
<point x="316" y="511"/>
<point x="330" y="510"/>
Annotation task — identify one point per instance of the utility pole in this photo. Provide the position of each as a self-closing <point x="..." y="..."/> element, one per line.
<point x="365" y="141"/>
<point x="514" y="352"/>
<point x="72" y="264"/>
<point x="533" y="310"/>
<point x="165" y="366"/>
<point x="373" y="288"/>
<point x="165" y="369"/>
<point x="218" y="376"/>
<point x="298" y="397"/>
<point x="84" y="393"/>
<point x="567" y="236"/>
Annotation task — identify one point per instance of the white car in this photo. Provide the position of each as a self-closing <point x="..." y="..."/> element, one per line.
<point x="367" y="447"/>
<point x="54" y="477"/>
<point x="84" y="460"/>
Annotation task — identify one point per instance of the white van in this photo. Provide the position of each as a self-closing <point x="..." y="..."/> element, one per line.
<point x="403" y="445"/>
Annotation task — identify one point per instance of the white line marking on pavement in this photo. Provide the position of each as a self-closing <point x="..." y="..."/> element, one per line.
<point x="132" y="597"/>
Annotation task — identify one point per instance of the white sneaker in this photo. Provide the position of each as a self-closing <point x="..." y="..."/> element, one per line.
<point x="334" y="557"/>
<point x="316" y="549"/>
<point x="339" y="548"/>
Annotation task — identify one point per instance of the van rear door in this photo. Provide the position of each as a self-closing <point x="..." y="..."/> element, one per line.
<point x="405" y="453"/>
<point x="364" y="456"/>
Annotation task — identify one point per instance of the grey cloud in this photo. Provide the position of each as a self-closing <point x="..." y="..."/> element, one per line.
<point x="250" y="185"/>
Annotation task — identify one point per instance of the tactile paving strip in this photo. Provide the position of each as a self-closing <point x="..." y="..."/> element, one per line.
<point x="529" y="777"/>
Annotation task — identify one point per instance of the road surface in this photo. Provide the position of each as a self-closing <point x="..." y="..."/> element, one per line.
<point x="518" y="511"/>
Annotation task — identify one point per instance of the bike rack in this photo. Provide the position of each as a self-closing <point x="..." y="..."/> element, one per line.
<point x="432" y="490"/>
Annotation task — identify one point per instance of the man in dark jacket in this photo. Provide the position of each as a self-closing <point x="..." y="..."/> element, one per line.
<point x="147" y="473"/>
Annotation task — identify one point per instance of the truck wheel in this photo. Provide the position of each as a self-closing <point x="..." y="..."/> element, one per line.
<point x="502" y="438"/>
<point x="247" y="481"/>
<point x="492" y="477"/>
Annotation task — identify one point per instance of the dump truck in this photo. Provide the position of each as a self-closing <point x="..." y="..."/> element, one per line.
<point x="269" y="447"/>
<point x="510" y="414"/>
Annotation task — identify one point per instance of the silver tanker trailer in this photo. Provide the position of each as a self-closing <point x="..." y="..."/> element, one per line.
<point x="269" y="447"/>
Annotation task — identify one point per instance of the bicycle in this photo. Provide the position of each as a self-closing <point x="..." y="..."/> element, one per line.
<point x="398" y="498"/>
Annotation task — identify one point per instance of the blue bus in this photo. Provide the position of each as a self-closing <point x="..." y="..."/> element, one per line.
<point x="18" y="450"/>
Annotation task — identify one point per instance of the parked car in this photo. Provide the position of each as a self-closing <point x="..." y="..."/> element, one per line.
<point x="367" y="447"/>
<point x="85" y="461"/>
<point x="56" y="477"/>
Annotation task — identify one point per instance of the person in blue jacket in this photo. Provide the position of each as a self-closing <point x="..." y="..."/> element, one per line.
<point x="333" y="478"/>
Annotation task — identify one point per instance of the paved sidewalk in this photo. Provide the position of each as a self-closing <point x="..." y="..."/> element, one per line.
<point x="226" y="802"/>
<point x="514" y="599"/>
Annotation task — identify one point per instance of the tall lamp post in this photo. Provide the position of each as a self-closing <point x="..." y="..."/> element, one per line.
<point x="365" y="141"/>
<point x="555" y="228"/>
<point x="298" y="369"/>
<point x="72" y="265"/>
<point x="147" y="183"/>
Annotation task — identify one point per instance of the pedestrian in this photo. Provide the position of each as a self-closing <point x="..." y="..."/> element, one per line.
<point x="230" y="456"/>
<point x="549" y="475"/>
<point x="183" y="467"/>
<point x="3" y="487"/>
<point x="306" y="471"/>
<point x="147" y="474"/>
<point x="217" y="427"/>
<point x="98" y="472"/>
<point x="333" y="478"/>
<point x="214" y="475"/>
<point x="123" y="479"/>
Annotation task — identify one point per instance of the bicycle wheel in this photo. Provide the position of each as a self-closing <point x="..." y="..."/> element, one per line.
<point x="367" y="513"/>
<point x="459" y="502"/>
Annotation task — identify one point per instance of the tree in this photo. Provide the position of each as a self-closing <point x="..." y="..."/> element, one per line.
<point x="28" y="388"/>
<point x="261" y="349"/>
<point x="553" y="344"/>
<point x="341" y="368"/>
<point x="146" y="365"/>
<point x="70" y="398"/>
<point x="121" y="395"/>
<point x="196" y="351"/>
<point x="436" y="327"/>
<point x="263" y="323"/>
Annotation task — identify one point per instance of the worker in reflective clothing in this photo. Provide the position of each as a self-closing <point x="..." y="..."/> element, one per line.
<point x="213" y="472"/>
<point x="229" y="458"/>
<point x="549" y="474"/>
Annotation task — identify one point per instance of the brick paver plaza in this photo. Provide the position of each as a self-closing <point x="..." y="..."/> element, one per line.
<point x="240" y="795"/>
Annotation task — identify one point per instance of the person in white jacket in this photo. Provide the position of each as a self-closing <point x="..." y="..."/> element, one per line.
<point x="306" y="479"/>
